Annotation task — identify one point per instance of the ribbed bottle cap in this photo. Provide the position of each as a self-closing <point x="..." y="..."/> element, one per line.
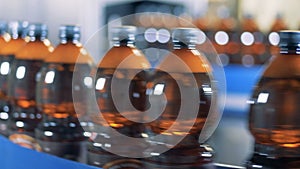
<point x="289" y="38"/>
<point x="38" y="30"/>
<point x="3" y="27"/>
<point x="123" y="33"/>
<point x="69" y="33"/>
<point x="17" y="28"/>
<point x="185" y="35"/>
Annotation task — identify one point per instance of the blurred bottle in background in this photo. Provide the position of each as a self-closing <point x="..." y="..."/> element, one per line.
<point x="202" y="23"/>
<point x="179" y="76"/>
<point x="21" y="86"/>
<point x="206" y="34"/>
<point x="120" y="88"/>
<point x="273" y="35"/>
<point x="253" y="43"/>
<point x="226" y="38"/>
<point x="17" y="34"/>
<point x="60" y="133"/>
<point x="274" y="119"/>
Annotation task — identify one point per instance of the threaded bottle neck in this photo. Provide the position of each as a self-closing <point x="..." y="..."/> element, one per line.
<point x="37" y="32"/>
<point x="289" y="42"/>
<point x="185" y="38"/>
<point x="17" y="29"/>
<point x="69" y="33"/>
<point x="123" y="36"/>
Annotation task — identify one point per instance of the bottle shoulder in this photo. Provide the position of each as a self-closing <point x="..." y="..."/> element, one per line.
<point x="124" y="57"/>
<point x="12" y="46"/>
<point x="226" y="24"/>
<point x="283" y="66"/>
<point x="3" y="42"/>
<point x="185" y="60"/>
<point x="36" y="50"/>
<point x="278" y="25"/>
<point x="249" y="25"/>
<point x="69" y="53"/>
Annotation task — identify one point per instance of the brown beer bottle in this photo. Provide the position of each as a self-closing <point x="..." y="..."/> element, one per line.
<point x="60" y="133"/>
<point x="21" y="86"/>
<point x="253" y="43"/>
<point x="120" y="87"/>
<point x="183" y="83"/>
<point x="207" y="32"/>
<point x="274" y="119"/>
<point x="17" y="34"/>
<point x="226" y="40"/>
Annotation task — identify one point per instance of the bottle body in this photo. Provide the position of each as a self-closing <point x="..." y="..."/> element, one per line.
<point x="5" y="107"/>
<point x="7" y="55"/>
<point x="60" y="132"/>
<point x="21" y="87"/>
<point x="273" y="118"/>
<point x="181" y="116"/>
<point x="120" y="90"/>
<point x="24" y="113"/>
<point x="66" y="72"/>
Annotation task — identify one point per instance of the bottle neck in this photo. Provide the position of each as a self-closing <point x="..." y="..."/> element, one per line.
<point x="16" y="36"/>
<point x="181" y="45"/>
<point x="125" y="42"/>
<point x="38" y="38"/>
<point x="290" y="49"/>
<point x="66" y="40"/>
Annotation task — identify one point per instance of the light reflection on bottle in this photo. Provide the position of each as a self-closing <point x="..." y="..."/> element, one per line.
<point x="49" y="77"/>
<point x="4" y="69"/>
<point x="88" y="81"/>
<point x="20" y="73"/>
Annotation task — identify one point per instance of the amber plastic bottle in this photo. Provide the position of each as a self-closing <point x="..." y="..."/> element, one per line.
<point x="17" y="34"/>
<point x="253" y="43"/>
<point x="274" y="119"/>
<point x="183" y="70"/>
<point x="273" y="36"/>
<point x="60" y="133"/>
<point x="126" y="66"/>
<point x="21" y="86"/>
<point x="226" y="40"/>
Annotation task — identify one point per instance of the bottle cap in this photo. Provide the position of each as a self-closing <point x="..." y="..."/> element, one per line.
<point x="123" y="33"/>
<point x="289" y="41"/>
<point x="17" y="29"/>
<point x="37" y="30"/>
<point x="69" y="33"/>
<point x="289" y="38"/>
<point x="185" y="35"/>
